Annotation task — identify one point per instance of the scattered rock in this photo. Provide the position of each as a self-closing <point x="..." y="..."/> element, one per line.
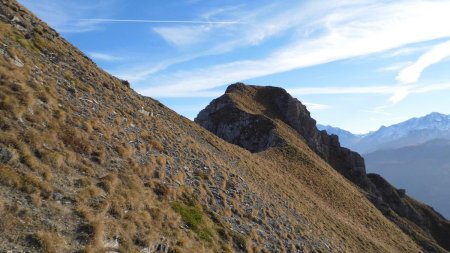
<point x="112" y="244"/>
<point x="5" y="155"/>
<point x="401" y="193"/>
<point x="144" y="112"/>
<point x="125" y="82"/>
<point x="72" y="90"/>
<point x="16" y="61"/>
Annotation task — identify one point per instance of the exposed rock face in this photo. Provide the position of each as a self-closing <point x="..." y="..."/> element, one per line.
<point x="252" y="132"/>
<point x="247" y="116"/>
<point x="390" y="196"/>
<point x="256" y="132"/>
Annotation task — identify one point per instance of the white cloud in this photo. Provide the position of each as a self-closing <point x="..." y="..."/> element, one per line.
<point x="400" y="94"/>
<point x="394" y="67"/>
<point x="403" y="51"/>
<point x="316" y="107"/>
<point x="380" y="89"/>
<point x="182" y="36"/>
<point x="345" y="30"/>
<point x="104" y="57"/>
<point x="195" y="22"/>
<point x="396" y="92"/>
<point x="248" y="28"/>
<point x="334" y="90"/>
<point x="413" y="72"/>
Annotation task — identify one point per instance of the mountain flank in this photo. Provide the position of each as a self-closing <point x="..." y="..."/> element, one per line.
<point x="288" y="123"/>
<point x="421" y="169"/>
<point x="89" y="165"/>
<point x="412" y="155"/>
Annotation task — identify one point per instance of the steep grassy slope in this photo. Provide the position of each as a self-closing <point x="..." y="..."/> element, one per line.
<point x="88" y="165"/>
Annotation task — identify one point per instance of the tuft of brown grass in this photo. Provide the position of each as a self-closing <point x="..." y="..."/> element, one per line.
<point x="53" y="158"/>
<point x="124" y="150"/>
<point x="28" y="183"/>
<point x="75" y="140"/>
<point x="47" y="241"/>
<point x="153" y="142"/>
<point x="109" y="182"/>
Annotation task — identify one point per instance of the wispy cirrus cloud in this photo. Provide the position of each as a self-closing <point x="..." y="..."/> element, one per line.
<point x="67" y="16"/>
<point x="395" y="66"/>
<point x="196" y="22"/>
<point x="396" y="93"/>
<point x="248" y="28"/>
<point x="316" y="107"/>
<point x="342" y="30"/>
<point x="104" y="57"/>
<point x="183" y="36"/>
<point x="436" y="54"/>
<point x="404" y="51"/>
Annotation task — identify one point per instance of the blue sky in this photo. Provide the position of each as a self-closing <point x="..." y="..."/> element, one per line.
<point x="355" y="64"/>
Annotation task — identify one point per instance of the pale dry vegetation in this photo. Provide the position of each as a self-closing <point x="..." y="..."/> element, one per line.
<point x="82" y="170"/>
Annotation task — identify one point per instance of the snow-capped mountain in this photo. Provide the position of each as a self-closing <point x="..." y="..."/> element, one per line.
<point x="346" y="138"/>
<point x="411" y="132"/>
<point x="433" y="121"/>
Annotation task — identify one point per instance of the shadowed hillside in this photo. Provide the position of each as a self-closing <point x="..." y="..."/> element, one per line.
<point x="423" y="170"/>
<point x="89" y="165"/>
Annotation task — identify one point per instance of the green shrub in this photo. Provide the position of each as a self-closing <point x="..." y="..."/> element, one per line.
<point x="193" y="216"/>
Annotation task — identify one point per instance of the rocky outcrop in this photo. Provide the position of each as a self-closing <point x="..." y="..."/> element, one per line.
<point x="390" y="197"/>
<point x="252" y="132"/>
<point x="247" y="116"/>
<point x="257" y="131"/>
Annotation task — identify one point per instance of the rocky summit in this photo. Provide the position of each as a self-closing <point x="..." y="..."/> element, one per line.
<point x="89" y="165"/>
<point x="246" y="116"/>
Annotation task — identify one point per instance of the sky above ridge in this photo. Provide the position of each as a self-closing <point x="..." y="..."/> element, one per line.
<point x="357" y="65"/>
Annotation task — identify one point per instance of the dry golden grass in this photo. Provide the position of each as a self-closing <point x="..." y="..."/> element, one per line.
<point x="87" y="168"/>
<point x="47" y="242"/>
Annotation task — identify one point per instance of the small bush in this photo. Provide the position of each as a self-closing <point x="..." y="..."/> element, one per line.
<point x="193" y="216"/>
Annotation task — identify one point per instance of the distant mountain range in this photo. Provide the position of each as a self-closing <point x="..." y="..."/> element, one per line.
<point x="411" y="132"/>
<point x="424" y="170"/>
<point x="414" y="154"/>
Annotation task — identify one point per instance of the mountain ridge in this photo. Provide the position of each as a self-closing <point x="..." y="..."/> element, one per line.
<point x="249" y="103"/>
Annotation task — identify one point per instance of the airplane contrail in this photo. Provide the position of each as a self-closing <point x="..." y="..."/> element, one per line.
<point x="159" y="21"/>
